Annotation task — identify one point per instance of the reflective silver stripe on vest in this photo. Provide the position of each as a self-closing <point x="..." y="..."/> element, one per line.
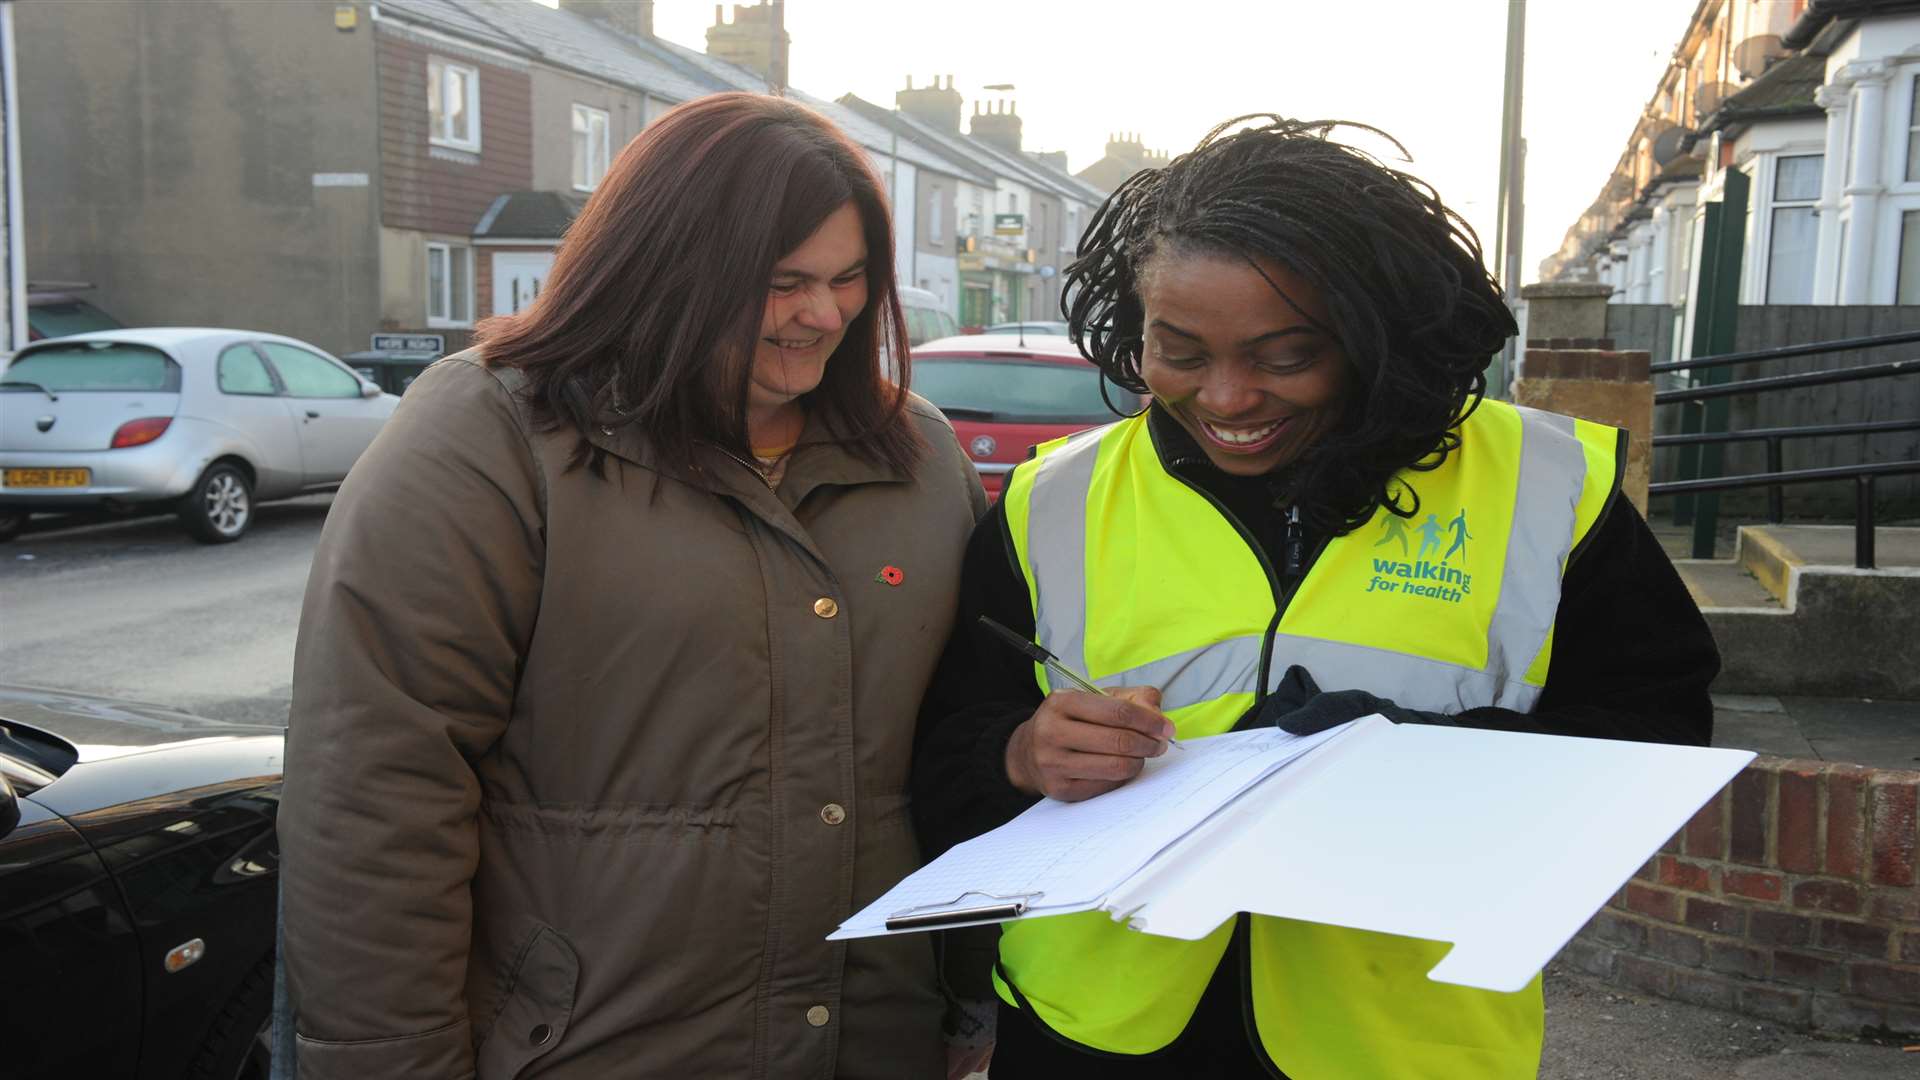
<point x="1551" y="477"/>
<point x="1414" y="682"/>
<point x="1553" y="470"/>
<point x="1057" y="546"/>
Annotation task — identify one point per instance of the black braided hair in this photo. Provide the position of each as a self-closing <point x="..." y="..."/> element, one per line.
<point x="1408" y="298"/>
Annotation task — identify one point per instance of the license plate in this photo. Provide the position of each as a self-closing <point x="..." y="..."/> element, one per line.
<point x="48" y="478"/>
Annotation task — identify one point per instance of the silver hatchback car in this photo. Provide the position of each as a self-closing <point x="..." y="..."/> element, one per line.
<point x="202" y="421"/>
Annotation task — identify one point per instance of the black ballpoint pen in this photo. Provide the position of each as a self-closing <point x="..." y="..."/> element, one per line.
<point x="1038" y="653"/>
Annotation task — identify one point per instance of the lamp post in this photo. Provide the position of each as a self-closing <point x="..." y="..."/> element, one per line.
<point x="1510" y="222"/>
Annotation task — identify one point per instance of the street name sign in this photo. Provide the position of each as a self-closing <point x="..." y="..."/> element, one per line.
<point x="428" y="343"/>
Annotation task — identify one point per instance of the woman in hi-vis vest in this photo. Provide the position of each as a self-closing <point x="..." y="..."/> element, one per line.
<point x="1320" y="516"/>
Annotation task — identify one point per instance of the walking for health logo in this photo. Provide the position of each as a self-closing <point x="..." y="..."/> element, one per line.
<point x="1427" y="573"/>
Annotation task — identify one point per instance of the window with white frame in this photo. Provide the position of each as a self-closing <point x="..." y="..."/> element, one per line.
<point x="1793" y="231"/>
<point x="449" y="285"/>
<point x="591" y="143"/>
<point x="1907" y="288"/>
<point x="453" y="104"/>
<point x="1913" y="131"/>
<point x="936" y="221"/>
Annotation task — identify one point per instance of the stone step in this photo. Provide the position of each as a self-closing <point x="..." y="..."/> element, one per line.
<point x="1770" y="563"/>
<point x="1726" y="584"/>
<point x="1770" y="552"/>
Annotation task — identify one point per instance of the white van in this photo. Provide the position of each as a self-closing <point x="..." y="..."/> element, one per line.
<point x="927" y="319"/>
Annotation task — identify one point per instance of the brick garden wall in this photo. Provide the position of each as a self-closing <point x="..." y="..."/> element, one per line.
<point x="1790" y="897"/>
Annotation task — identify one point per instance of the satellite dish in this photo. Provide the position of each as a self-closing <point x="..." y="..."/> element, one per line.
<point x="1751" y="57"/>
<point x="1708" y="99"/>
<point x="1666" y="145"/>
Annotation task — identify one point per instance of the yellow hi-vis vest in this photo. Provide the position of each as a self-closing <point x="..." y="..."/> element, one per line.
<point x="1138" y="579"/>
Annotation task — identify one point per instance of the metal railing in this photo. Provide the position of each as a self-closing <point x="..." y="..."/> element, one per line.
<point x="1774" y="438"/>
<point x="1788" y="352"/>
<point x="1787" y="382"/>
<point x="1775" y="478"/>
<point x="1862" y="476"/>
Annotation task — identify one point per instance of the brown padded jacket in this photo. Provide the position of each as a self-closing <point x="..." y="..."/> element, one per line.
<point x="581" y="771"/>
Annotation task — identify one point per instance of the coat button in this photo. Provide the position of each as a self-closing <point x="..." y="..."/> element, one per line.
<point x="817" y="1016"/>
<point x="833" y="813"/>
<point x="540" y="1034"/>
<point x="825" y="607"/>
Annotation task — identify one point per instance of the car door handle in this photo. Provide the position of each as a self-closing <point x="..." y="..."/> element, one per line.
<point x="313" y="414"/>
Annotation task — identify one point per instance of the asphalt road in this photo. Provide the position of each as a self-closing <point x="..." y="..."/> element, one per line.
<point x="139" y="610"/>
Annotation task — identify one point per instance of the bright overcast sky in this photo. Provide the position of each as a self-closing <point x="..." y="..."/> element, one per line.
<point x="1427" y="71"/>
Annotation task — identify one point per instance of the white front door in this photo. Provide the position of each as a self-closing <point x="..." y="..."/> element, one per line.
<point x="518" y="277"/>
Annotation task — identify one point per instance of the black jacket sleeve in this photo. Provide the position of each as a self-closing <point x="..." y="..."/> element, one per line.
<point x="1632" y="655"/>
<point x="981" y="691"/>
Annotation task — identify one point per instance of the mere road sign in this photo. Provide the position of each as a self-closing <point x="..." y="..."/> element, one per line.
<point x="421" y="343"/>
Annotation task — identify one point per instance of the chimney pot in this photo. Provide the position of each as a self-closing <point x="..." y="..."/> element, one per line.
<point x="909" y="82"/>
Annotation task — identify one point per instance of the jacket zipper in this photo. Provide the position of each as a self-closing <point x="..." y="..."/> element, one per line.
<point x="763" y="476"/>
<point x="1295" y="561"/>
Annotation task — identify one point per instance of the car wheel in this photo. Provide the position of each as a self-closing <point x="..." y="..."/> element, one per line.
<point x="11" y="525"/>
<point x="239" y="1046"/>
<point x="220" y="507"/>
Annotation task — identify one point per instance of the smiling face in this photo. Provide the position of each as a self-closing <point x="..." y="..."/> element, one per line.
<point x="817" y="290"/>
<point x="1249" y="375"/>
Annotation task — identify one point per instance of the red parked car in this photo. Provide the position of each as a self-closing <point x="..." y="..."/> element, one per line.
<point x="1006" y="396"/>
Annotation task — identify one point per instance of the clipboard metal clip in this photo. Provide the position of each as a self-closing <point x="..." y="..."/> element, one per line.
<point x="947" y="913"/>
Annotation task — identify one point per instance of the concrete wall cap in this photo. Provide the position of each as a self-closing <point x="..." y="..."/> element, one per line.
<point x="1555" y="290"/>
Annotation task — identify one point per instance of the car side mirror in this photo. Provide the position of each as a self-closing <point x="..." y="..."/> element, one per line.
<point x="9" y="806"/>
<point x="370" y="390"/>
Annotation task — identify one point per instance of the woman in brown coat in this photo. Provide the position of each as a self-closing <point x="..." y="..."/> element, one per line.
<point x="604" y="698"/>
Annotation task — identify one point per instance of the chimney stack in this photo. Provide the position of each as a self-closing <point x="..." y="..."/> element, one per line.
<point x="999" y="127"/>
<point x="756" y="40"/>
<point x="633" y="18"/>
<point x="934" y="105"/>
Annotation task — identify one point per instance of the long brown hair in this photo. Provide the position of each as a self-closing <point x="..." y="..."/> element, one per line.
<point x="653" y="307"/>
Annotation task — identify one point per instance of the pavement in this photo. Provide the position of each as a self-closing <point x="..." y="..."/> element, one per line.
<point x="1600" y="1032"/>
<point x="1859" y="730"/>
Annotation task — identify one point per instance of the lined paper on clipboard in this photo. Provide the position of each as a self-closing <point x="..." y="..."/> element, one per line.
<point x="1061" y="857"/>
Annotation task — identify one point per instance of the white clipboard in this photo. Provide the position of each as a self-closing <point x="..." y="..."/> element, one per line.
<point x="1503" y="844"/>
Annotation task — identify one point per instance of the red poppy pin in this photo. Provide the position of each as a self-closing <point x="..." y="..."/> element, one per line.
<point x="892" y="575"/>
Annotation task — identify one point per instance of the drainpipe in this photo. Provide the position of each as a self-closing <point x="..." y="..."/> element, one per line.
<point x="16" y="238"/>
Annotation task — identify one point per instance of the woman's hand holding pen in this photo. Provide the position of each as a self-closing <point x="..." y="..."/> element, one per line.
<point x="1077" y="745"/>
